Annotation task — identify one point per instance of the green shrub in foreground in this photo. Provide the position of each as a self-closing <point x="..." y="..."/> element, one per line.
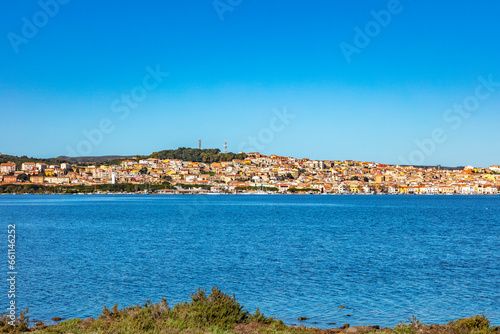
<point x="215" y="310"/>
<point x="21" y="323"/>
<point x="475" y="324"/>
<point x="215" y="313"/>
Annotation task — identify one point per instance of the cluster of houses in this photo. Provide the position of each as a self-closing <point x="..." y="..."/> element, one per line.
<point x="263" y="173"/>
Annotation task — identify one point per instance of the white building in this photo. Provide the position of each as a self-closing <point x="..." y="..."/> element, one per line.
<point x="28" y="166"/>
<point x="7" y="167"/>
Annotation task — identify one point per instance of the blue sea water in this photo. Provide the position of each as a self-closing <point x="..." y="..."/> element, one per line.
<point x="385" y="258"/>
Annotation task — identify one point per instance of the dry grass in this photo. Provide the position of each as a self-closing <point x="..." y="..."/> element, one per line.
<point x="217" y="313"/>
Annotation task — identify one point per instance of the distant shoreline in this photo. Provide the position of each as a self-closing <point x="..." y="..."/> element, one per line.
<point x="246" y="194"/>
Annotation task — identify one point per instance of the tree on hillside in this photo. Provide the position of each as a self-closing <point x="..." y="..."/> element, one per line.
<point x="197" y="155"/>
<point x="23" y="177"/>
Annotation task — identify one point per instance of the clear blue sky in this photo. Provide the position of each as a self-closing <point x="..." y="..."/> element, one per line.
<point x="227" y="77"/>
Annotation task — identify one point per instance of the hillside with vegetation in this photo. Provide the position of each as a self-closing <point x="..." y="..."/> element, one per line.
<point x="19" y="160"/>
<point x="182" y="153"/>
<point x="95" y="159"/>
<point x="197" y="155"/>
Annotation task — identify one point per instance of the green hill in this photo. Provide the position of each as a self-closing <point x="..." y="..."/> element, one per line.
<point x="197" y="155"/>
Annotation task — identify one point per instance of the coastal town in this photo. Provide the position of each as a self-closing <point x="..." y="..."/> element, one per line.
<point x="259" y="174"/>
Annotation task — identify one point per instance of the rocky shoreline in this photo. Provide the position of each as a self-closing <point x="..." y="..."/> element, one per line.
<point x="219" y="313"/>
<point x="475" y="325"/>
